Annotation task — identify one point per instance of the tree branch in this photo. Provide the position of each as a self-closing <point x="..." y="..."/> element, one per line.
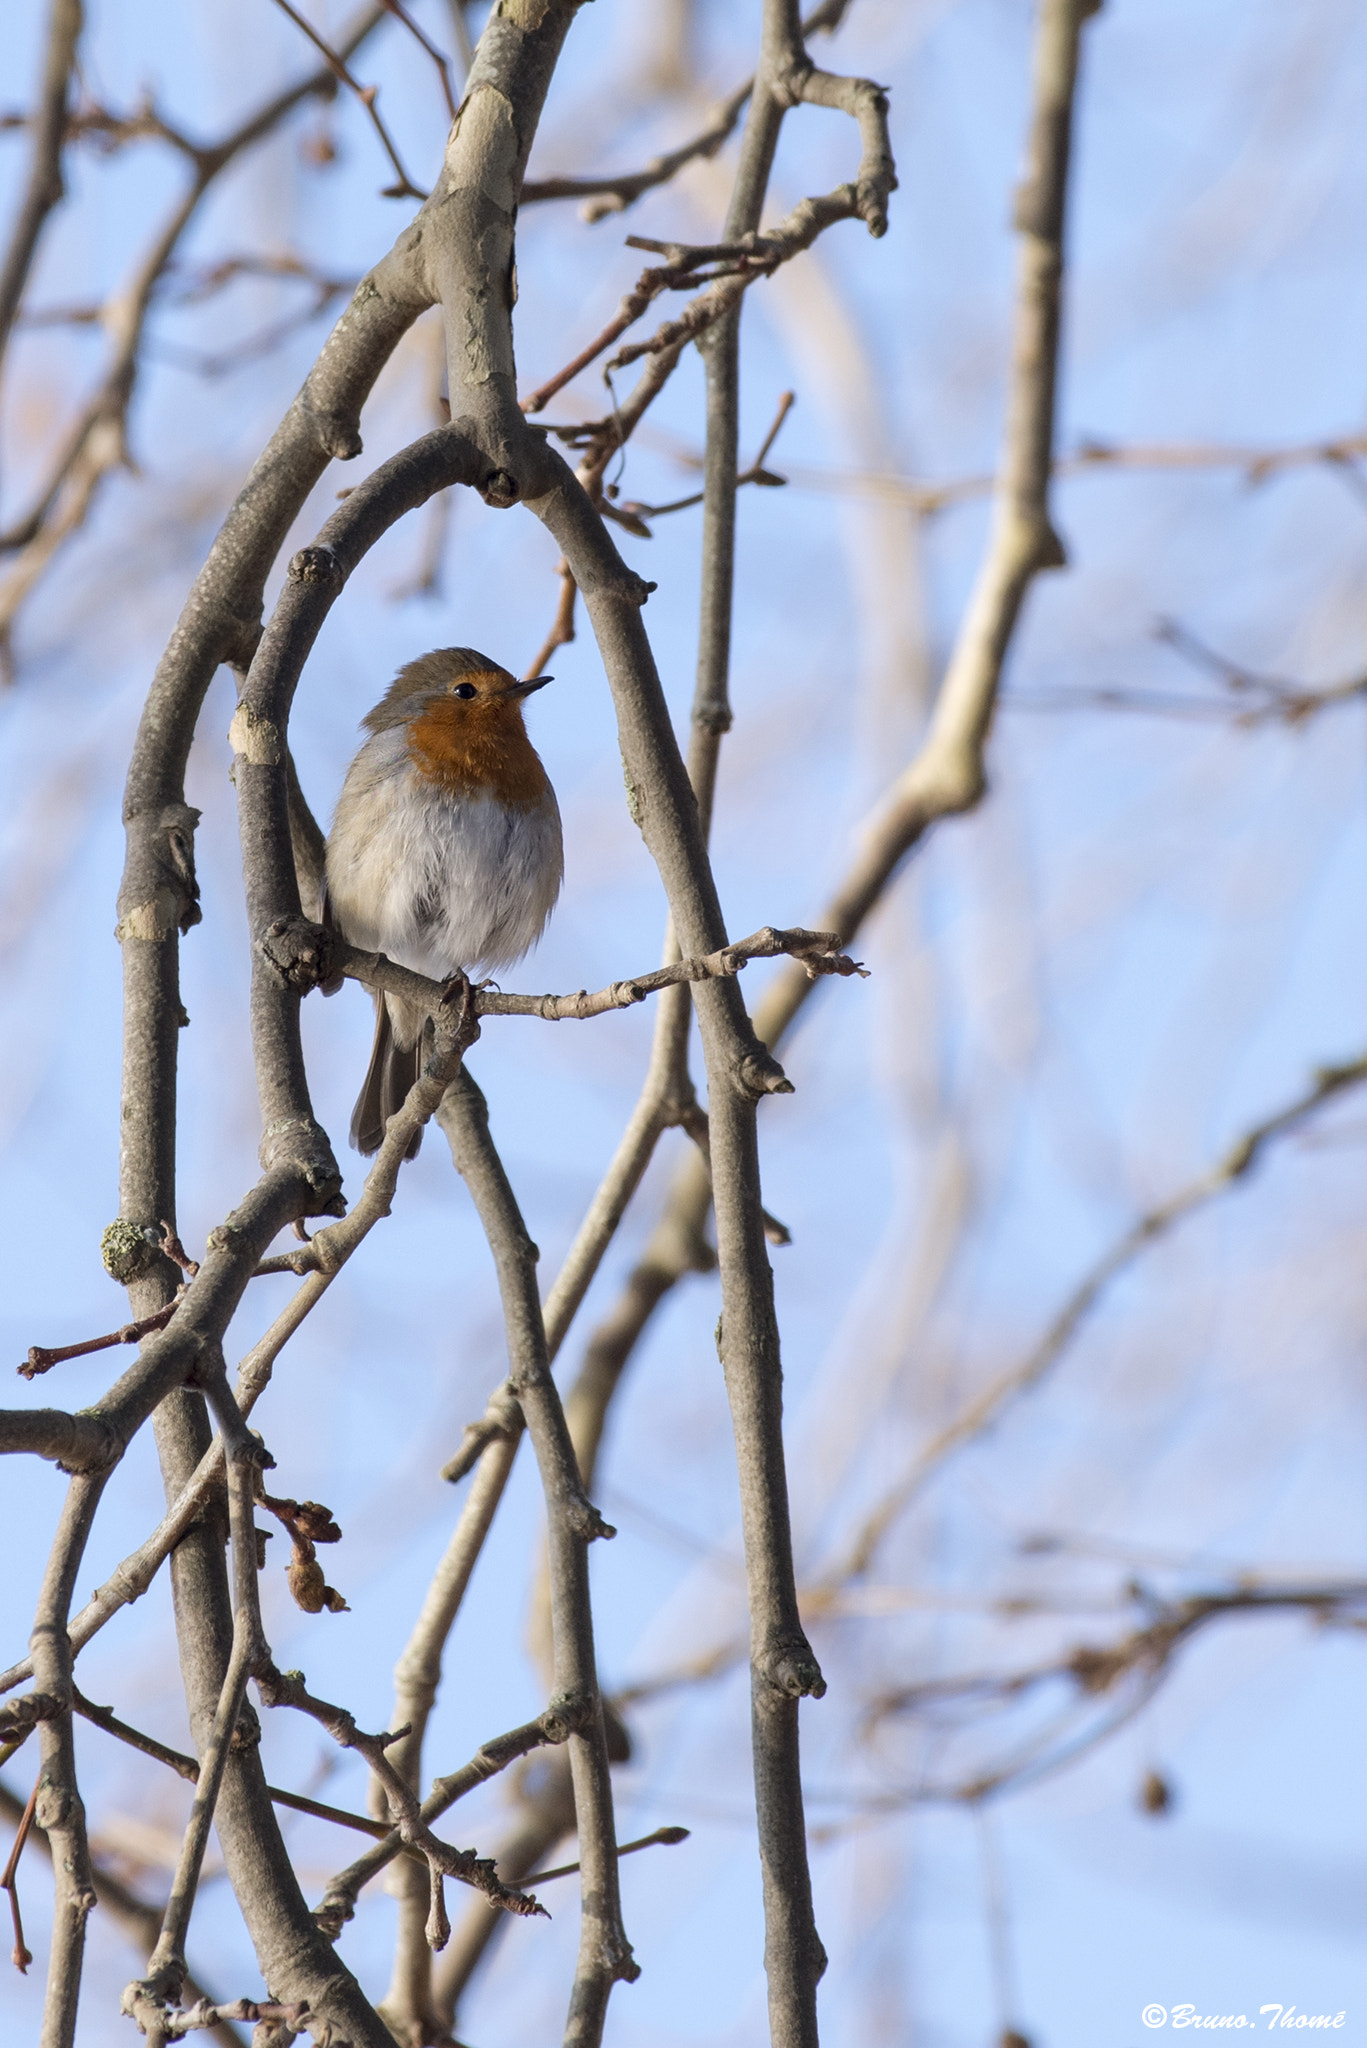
<point x="58" y="1806"/>
<point x="986" y="1408"/>
<point x="96" y="442"/>
<point x="140" y="1921"/>
<point x="572" y="1524"/>
<point x="946" y="775"/>
<point x="366" y="94"/>
<point x="46" y="187"/>
<point x="615" y="193"/>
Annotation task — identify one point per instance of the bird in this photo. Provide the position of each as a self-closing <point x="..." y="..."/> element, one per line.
<point x="445" y="851"/>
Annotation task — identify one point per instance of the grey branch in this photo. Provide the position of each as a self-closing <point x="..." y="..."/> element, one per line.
<point x="288" y="1689"/>
<point x="95" y="443"/>
<point x="615" y="193"/>
<point x="947" y="774"/>
<point x="58" y="1807"/>
<point x="552" y="1727"/>
<point x="1140" y="1660"/>
<point x="572" y="1524"/>
<point x="303" y="954"/>
<point x="140" y="1921"/>
<point x="45" y="188"/>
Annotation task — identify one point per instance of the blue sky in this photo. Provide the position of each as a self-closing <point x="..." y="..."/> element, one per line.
<point x="1142" y="943"/>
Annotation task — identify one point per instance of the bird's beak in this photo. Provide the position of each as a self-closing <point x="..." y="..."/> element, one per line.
<point x="525" y="689"/>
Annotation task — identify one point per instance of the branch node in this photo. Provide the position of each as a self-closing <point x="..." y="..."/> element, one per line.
<point x="759" y="1074"/>
<point x="567" y="1714"/>
<point x="129" y="1250"/>
<point x="336" y="434"/>
<point x="790" y="1667"/>
<point x="317" y="564"/>
<point x="301" y="953"/>
<point x="500" y="489"/>
<point x="586" y="1522"/>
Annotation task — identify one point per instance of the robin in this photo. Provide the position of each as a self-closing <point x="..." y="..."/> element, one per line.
<point x="445" y="852"/>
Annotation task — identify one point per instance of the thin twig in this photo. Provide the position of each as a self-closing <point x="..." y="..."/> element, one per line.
<point x="667" y="1836"/>
<point x="366" y="94"/>
<point x="139" y="1920"/>
<point x="304" y="951"/>
<point x="947" y="774"/>
<point x="573" y="1523"/>
<point x="59" y="1805"/>
<point x="1096" y="1672"/>
<point x="755" y="474"/>
<point x="614" y="193"/>
<point x="562" y="625"/>
<point x="551" y="1728"/>
<point x="986" y="1408"/>
<point x="21" y="1955"/>
<point x="45" y="188"/>
<point x="146" y="1999"/>
<point x="442" y="63"/>
<point x="96" y="442"/>
<point x="684" y="268"/>
<point x="288" y="1689"/>
<point x="40" y="1359"/>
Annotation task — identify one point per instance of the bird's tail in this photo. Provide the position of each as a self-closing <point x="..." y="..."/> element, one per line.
<point x="391" y="1073"/>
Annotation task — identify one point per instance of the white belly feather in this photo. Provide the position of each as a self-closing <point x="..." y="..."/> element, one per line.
<point x="438" y="882"/>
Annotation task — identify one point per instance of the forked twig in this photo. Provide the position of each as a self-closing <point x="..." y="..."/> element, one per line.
<point x="366" y="94"/>
<point x="21" y="1955"/>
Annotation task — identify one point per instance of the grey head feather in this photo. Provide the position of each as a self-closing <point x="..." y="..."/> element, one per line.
<point x="428" y="676"/>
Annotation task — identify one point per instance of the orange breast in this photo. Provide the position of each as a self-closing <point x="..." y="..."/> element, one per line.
<point x="478" y="750"/>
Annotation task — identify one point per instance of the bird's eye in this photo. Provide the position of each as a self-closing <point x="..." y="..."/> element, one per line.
<point x="464" y="690"/>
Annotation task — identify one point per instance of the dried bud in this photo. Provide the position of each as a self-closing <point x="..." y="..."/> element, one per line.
<point x="1155" y="1795"/>
<point x="313" y="1520"/>
<point x="305" y="1576"/>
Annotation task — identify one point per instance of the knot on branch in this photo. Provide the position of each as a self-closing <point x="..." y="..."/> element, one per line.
<point x="258" y="740"/>
<point x="500" y="1420"/>
<point x="337" y="434"/>
<point x="500" y="489"/>
<point x="585" y="1521"/>
<point x="330" y="1916"/>
<point x="161" y="894"/>
<point x="301" y="1143"/>
<point x="569" y="1713"/>
<point x="18" y="1717"/>
<point x="129" y="1250"/>
<point x="301" y="953"/>
<point x="317" y="564"/>
<point x="275" y="2024"/>
<point x="759" y="1074"/>
<point x="713" y="718"/>
<point x="147" y="2000"/>
<point x="788" y="88"/>
<point x="819" y="953"/>
<point x="790" y="1667"/>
